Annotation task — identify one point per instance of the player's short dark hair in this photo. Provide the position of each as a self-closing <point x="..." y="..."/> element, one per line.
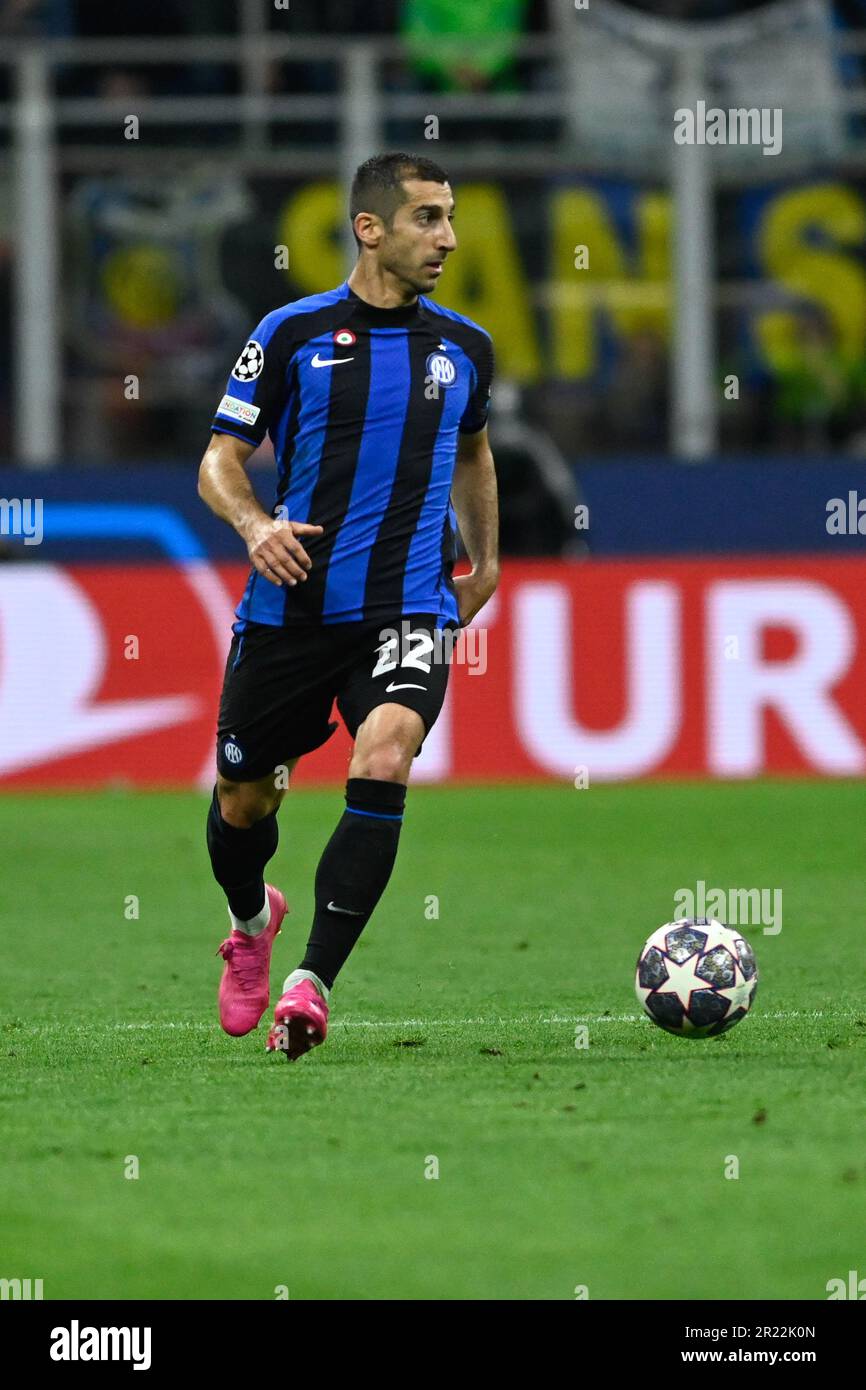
<point x="378" y="183"/>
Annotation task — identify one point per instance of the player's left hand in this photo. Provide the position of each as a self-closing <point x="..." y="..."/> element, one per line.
<point x="473" y="590"/>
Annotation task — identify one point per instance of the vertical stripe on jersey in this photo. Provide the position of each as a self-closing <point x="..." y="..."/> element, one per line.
<point x="377" y="462"/>
<point x="263" y="601"/>
<point x="342" y="441"/>
<point x="425" y="559"/>
<point x="306" y="428"/>
<point x="411" y="480"/>
<point x="285" y="440"/>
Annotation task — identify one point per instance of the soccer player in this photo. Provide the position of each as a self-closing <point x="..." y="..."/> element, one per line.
<point x="376" y="401"/>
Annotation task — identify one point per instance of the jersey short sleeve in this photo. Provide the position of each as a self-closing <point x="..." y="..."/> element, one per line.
<point x="474" y="417"/>
<point x="257" y="387"/>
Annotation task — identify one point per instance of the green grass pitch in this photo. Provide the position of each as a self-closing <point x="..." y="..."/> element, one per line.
<point x="453" y="1037"/>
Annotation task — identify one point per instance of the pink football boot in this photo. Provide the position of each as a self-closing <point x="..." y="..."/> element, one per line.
<point x="300" y="1021"/>
<point x="245" y="987"/>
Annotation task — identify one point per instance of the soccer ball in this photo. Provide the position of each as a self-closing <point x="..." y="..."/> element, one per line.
<point x="696" y="977"/>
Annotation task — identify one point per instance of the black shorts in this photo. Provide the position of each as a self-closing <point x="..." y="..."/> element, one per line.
<point x="281" y="683"/>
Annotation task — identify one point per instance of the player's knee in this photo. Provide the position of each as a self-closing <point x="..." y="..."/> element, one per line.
<point x="386" y="744"/>
<point x="385" y="762"/>
<point x="244" y="803"/>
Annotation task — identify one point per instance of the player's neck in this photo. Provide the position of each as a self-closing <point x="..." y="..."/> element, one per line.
<point x="381" y="289"/>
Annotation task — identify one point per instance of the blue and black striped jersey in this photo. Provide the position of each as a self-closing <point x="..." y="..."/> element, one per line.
<point x="364" y="407"/>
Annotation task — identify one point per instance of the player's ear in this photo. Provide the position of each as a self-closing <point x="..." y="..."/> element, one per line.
<point x="368" y="228"/>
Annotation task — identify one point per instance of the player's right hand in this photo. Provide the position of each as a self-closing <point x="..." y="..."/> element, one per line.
<point x="276" y="552"/>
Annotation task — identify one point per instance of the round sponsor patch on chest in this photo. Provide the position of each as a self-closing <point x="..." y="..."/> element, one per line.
<point x="344" y="337"/>
<point x="441" y="369"/>
<point x="249" y="364"/>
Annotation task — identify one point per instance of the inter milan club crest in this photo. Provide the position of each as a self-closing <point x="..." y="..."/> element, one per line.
<point x="233" y="753"/>
<point x="250" y="362"/>
<point x="441" y="369"/>
<point x="344" y="337"/>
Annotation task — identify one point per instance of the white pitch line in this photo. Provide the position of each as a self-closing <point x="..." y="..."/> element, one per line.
<point x="148" y="1026"/>
<point x="353" y="1023"/>
<point x="637" y="1018"/>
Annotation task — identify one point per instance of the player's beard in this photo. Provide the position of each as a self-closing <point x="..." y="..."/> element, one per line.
<point x="416" y="277"/>
<point x="429" y="282"/>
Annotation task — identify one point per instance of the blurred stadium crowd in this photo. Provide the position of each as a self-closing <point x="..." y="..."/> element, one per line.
<point x="128" y="234"/>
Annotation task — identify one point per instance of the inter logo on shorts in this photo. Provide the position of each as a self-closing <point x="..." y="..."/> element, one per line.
<point x="441" y="368"/>
<point x="345" y="338"/>
<point x="232" y="752"/>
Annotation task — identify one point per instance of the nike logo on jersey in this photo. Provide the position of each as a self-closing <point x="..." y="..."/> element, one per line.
<point x="344" y="911"/>
<point x="392" y="686"/>
<point x="329" y="361"/>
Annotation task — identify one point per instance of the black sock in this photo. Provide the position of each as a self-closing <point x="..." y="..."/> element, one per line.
<point x="353" y="872"/>
<point x="239" y="857"/>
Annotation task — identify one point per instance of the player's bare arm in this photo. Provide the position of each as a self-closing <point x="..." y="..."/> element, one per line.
<point x="224" y="486"/>
<point x="473" y="492"/>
